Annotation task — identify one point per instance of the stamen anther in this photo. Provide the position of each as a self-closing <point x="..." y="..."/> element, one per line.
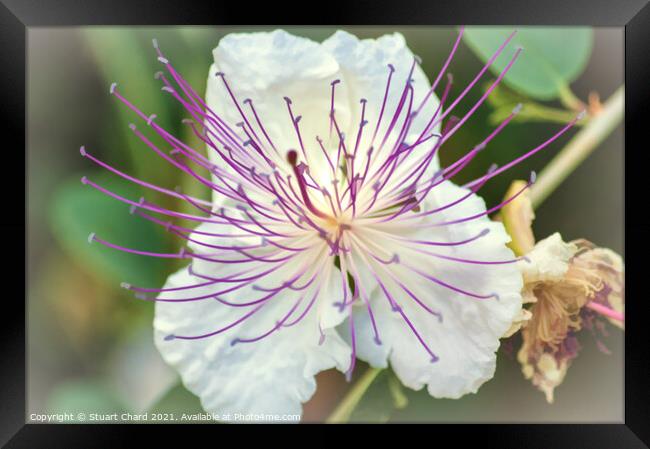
<point x="292" y="157"/>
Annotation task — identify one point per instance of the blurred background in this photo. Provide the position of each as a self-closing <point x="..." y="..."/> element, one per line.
<point x="90" y="342"/>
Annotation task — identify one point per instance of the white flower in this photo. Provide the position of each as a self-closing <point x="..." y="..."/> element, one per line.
<point x="332" y="234"/>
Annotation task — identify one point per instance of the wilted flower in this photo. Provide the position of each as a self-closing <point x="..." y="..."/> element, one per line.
<point x="567" y="284"/>
<point x="332" y="234"/>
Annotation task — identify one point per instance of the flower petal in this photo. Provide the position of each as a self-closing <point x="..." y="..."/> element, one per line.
<point x="266" y="68"/>
<point x="364" y="65"/>
<point x="272" y="375"/>
<point x="466" y="338"/>
<point x="549" y="259"/>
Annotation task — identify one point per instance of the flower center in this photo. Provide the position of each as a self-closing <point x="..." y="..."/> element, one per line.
<point x="335" y="225"/>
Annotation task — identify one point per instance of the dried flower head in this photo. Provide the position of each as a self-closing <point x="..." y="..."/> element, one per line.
<point x="567" y="284"/>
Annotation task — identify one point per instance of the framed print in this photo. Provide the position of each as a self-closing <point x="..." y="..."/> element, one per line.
<point x="400" y="214"/>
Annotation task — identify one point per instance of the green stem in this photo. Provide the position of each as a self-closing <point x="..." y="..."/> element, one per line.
<point x="536" y="112"/>
<point x="399" y="398"/>
<point x="578" y="148"/>
<point x="343" y="411"/>
<point x="569" y="99"/>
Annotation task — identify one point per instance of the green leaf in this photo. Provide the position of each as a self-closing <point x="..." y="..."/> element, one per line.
<point x="177" y="400"/>
<point x="123" y="57"/>
<point x="552" y="58"/>
<point x="77" y="210"/>
<point x="84" y="397"/>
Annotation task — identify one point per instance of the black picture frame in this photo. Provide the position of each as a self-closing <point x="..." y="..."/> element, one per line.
<point x="18" y="15"/>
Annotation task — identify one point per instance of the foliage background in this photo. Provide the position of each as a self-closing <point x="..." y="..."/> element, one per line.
<point x="90" y="343"/>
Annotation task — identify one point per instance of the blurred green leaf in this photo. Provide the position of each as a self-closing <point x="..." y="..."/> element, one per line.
<point x="83" y="397"/>
<point x="122" y="58"/>
<point x="504" y="100"/>
<point x="552" y="57"/>
<point x="177" y="400"/>
<point x="138" y="354"/>
<point x="501" y="96"/>
<point x="78" y="210"/>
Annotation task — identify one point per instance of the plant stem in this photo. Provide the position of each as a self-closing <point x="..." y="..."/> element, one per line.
<point x="400" y="400"/>
<point x="578" y="148"/>
<point x="343" y="411"/>
<point x="536" y="112"/>
<point x="569" y="99"/>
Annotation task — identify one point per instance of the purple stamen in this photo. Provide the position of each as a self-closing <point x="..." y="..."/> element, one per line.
<point x="331" y="115"/>
<point x="292" y="157"/>
<point x="391" y="70"/>
<point x="487" y="212"/>
<point x="270" y="226"/>
<point x="360" y="288"/>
